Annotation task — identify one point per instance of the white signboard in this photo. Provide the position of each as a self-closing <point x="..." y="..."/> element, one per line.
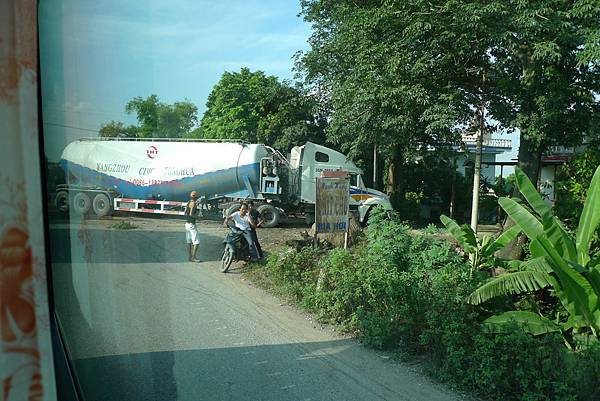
<point x="331" y="207"/>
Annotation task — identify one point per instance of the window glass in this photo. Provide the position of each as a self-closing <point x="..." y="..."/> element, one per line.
<point x="321" y="157"/>
<point x="125" y="88"/>
<point x="150" y="115"/>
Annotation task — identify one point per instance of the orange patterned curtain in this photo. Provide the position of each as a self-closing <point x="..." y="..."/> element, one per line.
<point x="26" y="366"/>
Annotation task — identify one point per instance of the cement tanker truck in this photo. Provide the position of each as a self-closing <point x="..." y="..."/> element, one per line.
<point x="156" y="176"/>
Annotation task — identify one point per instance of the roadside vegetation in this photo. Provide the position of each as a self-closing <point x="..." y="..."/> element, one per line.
<point x="499" y="329"/>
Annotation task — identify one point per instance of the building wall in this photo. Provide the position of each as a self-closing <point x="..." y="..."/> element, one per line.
<point x="547" y="184"/>
<point x="487" y="172"/>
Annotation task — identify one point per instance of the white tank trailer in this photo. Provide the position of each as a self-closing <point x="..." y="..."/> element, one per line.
<point x="156" y="176"/>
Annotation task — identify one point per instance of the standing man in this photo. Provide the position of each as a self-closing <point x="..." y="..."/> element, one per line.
<point x="257" y="222"/>
<point x="191" y="232"/>
<point x="244" y="222"/>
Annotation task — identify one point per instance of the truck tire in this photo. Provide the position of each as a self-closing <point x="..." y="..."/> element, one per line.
<point x="270" y="215"/>
<point x="61" y="201"/>
<point x="309" y="218"/>
<point x="81" y="203"/>
<point x="101" y="205"/>
<point x="231" y="209"/>
<point x="365" y="222"/>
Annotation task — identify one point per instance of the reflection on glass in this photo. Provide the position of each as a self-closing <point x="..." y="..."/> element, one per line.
<point x="126" y="89"/>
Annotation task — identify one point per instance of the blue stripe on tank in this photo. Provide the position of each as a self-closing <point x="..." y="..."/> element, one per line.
<point x="221" y="182"/>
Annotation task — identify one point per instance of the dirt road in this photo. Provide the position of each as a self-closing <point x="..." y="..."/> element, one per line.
<point x="142" y="323"/>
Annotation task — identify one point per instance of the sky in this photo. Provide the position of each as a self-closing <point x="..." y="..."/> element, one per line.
<point x="97" y="55"/>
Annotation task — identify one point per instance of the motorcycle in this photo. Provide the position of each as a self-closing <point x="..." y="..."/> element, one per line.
<point x="236" y="248"/>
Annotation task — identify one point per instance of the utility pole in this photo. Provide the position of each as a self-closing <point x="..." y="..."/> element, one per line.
<point x="375" y="166"/>
<point x="478" y="152"/>
<point x="476" y="175"/>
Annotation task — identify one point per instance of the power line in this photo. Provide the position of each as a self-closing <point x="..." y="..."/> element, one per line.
<point x="72" y="127"/>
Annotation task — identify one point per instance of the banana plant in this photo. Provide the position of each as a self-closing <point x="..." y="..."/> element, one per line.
<point x="558" y="261"/>
<point x="481" y="251"/>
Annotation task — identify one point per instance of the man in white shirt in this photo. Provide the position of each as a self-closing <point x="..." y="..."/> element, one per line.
<point x="244" y="222"/>
<point x="191" y="231"/>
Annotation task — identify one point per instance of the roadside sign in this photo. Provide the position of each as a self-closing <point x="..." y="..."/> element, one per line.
<point x="331" y="206"/>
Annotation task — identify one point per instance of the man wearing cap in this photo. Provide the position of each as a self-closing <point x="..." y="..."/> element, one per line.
<point x="191" y="232"/>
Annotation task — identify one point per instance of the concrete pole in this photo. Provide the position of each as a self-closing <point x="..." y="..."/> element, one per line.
<point x="479" y="150"/>
<point x="476" y="177"/>
<point x="375" y="166"/>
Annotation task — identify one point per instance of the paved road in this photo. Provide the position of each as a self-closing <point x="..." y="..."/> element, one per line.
<point x="144" y="324"/>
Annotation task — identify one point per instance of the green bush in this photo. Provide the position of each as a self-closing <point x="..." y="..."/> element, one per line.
<point x="293" y="273"/>
<point x="340" y="291"/>
<point x="397" y="291"/>
<point x="583" y="373"/>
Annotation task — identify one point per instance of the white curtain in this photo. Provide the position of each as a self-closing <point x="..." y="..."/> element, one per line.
<point x="26" y="366"/>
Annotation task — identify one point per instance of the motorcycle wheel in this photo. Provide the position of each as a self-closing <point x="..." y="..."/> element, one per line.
<point x="226" y="259"/>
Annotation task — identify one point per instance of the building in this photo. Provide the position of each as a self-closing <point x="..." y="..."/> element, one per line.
<point x="465" y="157"/>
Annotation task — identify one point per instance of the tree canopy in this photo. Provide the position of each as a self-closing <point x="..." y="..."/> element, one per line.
<point x="155" y="120"/>
<point x="405" y="75"/>
<point x="254" y="107"/>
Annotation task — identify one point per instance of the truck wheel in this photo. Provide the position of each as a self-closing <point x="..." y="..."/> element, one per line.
<point x="270" y="215"/>
<point x="231" y="209"/>
<point x="365" y="221"/>
<point x="81" y="203"/>
<point x="101" y="205"/>
<point x="61" y="201"/>
<point x="309" y="218"/>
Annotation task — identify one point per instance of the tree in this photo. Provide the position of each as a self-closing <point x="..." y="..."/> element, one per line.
<point x="545" y="77"/>
<point x="254" y="107"/>
<point x="116" y="129"/>
<point x="407" y="75"/>
<point x="155" y="119"/>
<point x="589" y="10"/>
<point x="380" y="83"/>
<point x="160" y="120"/>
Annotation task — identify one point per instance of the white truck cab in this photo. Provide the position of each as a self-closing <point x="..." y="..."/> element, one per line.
<point x="310" y="160"/>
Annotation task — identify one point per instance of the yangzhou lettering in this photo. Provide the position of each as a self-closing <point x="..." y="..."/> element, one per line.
<point x="113" y="167"/>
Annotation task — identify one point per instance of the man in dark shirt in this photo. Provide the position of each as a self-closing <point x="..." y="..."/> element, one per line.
<point x="257" y="222"/>
<point x="191" y="232"/>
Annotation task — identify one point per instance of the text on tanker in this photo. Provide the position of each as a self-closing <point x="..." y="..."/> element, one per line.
<point x="125" y="168"/>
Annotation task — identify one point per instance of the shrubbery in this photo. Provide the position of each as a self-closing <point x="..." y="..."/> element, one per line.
<point x="396" y="291"/>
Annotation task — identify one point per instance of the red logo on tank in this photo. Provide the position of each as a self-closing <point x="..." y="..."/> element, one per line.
<point x="152" y="152"/>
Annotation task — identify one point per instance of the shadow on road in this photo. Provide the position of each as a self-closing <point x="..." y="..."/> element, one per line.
<point x="301" y="371"/>
<point x="97" y="245"/>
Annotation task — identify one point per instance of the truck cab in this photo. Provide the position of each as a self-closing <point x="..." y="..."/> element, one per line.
<point x="310" y="160"/>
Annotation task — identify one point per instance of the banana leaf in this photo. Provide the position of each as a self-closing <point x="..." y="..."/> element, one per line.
<point x="555" y="231"/>
<point x="533" y="197"/>
<point x="463" y="234"/>
<point x="510" y="283"/>
<point x="589" y="220"/>
<point x="594" y="278"/>
<point x="502" y="240"/>
<point x="580" y="299"/>
<point x="530" y="225"/>
<point x="561" y="240"/>
<point x="529" y="321"/>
